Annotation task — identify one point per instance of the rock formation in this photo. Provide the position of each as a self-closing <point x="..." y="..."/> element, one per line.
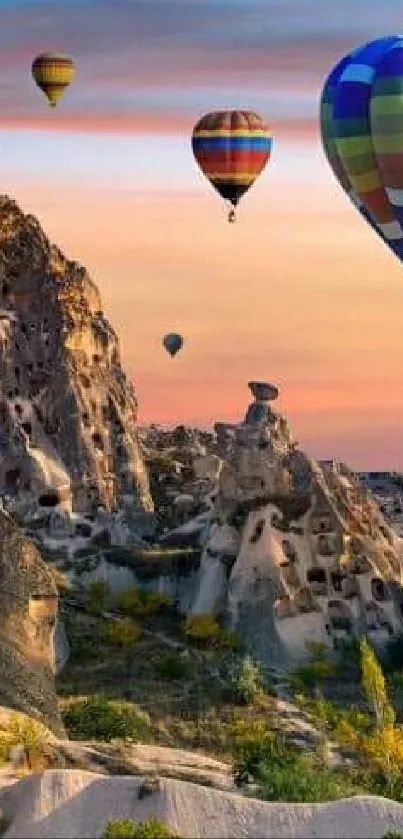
<point x="296" y="551"/>
<point x="68" y="435"/>
<point x="28" y="610"/>
<point x="180" y="473"/>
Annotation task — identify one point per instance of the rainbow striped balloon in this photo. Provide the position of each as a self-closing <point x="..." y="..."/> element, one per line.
<point x="362" y="133"/>
<point x="232" y="148"/>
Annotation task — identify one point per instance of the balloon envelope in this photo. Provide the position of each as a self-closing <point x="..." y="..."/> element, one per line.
<point x="361" y="121"/>
<point x="231" y="148"/>
<point x="53" y="73"/>
<point x="173" y="342"/>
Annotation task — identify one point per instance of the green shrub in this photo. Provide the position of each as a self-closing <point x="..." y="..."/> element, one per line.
<point x="206" y="630"/>
<point x="142" y="602"/>
<point x="123" y="632"/>
<point x="99" y="718"/>
<point x="119" y="829"/>
<point x="393" y="834"/>
<point x="202" y="628"/>
<point x="172" y="666"/>
<point x="246" y="682"/>
<point x="150" y="829"/>
<point x="98" y="594"/>
<point x="311" y="674"/>
<point x="229" y="640"/>
<point x="29" y="733"/>
<point x="331" y="716"/>
<point x="293" y="777"/>
<point x="283" y="773"/>
<point x="349" y="651"/>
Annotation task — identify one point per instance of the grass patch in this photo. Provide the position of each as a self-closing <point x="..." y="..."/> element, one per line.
<point x="282" y="772"/>
<point x="99" y="718"/>
<point x="123" y="632"/>
<point x="152" y="828"/>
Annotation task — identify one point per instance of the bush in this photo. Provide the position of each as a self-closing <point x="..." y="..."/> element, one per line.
<point x="309" y="675"/>
<point x="150" y="829"/>
<point x="119" y="829"/>
<point x="172" y="666"/>
<point x="123" y="632"/>
<point x="294" y="777"/>
<point x="331" y="716"/>
<point x="97" y="596"/>
<point x="320" y="667"/>
<point x="282" y="773"/>
<point x="229" y="640"/>
<point x="246" y="681"/>
<point x="202" y="628"/>
<point x="393" y="834"/>
<point x="206" y="630"/>
<point x="28" y="733"/>
<point x="98" y="718"/>
<point x="141" y="602"/>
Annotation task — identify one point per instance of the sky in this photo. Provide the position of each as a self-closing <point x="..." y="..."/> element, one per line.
<point x="300" y="291"/>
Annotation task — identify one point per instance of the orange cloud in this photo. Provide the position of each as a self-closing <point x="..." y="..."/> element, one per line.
<point x="139" y="122"/>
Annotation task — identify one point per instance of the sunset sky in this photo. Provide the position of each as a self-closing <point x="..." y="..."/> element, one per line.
<point x="300" y="291"/>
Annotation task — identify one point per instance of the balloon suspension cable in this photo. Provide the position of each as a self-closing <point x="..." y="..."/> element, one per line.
<point x="232" y="215"/>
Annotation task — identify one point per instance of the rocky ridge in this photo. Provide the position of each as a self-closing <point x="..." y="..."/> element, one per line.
<point x="68" y="435"/>
<point x="293" y="550"/>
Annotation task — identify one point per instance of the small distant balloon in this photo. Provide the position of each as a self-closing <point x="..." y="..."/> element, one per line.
<point x="173" y="342"/>
<point x="232" y="149"/>
<point x="361" y="120"/>
<point x="53" y="73"/>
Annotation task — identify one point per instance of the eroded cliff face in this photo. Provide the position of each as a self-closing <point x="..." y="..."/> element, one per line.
<point x="297" y="551"/>
<point x="68" y="415"/>
<point x="28" y="612"/>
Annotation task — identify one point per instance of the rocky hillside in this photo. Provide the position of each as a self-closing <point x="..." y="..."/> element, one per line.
<point x="292" y="551"/>
<point x="68" y="414"/>
<point x="28" y="613"/>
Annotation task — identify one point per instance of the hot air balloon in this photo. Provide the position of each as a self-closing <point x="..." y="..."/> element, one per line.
<point x="173" y="342"/>
<point x="362" y="133"/>
<point x="232" y="148"/>
<point x="53" y="73"/>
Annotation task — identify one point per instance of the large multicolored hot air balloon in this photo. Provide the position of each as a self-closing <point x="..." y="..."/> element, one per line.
<point x="173" y="342"/>
<point x="53" y="73"/>
<point x="362" y="133"/>
<point x="232" y="148"/>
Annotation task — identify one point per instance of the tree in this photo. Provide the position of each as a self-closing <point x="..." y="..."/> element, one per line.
<point x="374" y="686"/>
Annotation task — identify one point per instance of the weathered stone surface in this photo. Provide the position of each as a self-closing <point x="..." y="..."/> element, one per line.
<point x="28" y="610"/>
<point x="68" y="433"/>
<point x="296" y="551"/>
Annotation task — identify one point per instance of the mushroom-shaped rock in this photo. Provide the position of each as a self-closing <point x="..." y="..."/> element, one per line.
<point x="258" y="414"/>
<point x="263" y="391"/>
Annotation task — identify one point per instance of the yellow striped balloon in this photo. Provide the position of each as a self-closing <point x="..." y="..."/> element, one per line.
<point x="53" y="72"/>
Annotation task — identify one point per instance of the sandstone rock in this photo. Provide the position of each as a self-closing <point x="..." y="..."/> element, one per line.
<point x="296" y="551"/>
<point x="28" y="609"/>
<point x="68" y="433"/>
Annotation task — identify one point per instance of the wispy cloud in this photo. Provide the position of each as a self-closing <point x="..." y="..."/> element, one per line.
<point x="145" y="60"/>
